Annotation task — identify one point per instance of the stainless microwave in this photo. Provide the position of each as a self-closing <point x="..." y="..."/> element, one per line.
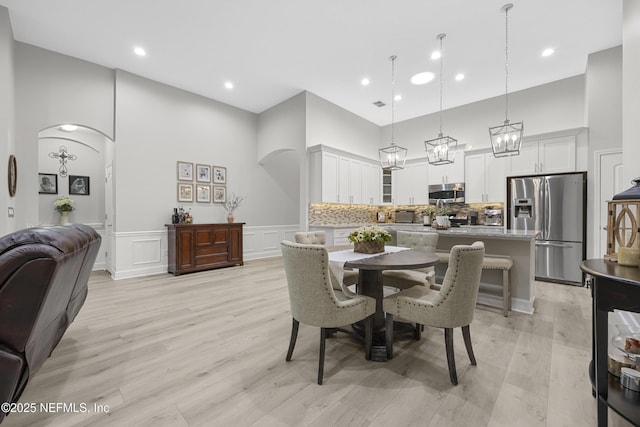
<point x="448" y="193"/>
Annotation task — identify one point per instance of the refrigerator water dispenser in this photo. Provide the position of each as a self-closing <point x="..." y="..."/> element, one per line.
<point x="522" y="208"/>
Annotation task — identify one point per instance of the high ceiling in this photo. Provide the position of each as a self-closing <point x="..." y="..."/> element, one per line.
<point x="272" y="50"/>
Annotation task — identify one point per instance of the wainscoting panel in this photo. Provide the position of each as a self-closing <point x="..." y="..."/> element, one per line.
<point x="145" y="253"/>
<point x="100" y="263"/>
<point x="264" y="241"/>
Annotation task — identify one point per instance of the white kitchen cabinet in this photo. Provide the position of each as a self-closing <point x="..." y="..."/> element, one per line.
<point x="335" y="236"/>
<point x="338" y="178"/>
<point x="329" y="177"/>
<point x="410" y="185"/>
<point x="349" y="180"/>
<point x="485" y="178"/>
<point x="371" y="183"/>
<point x="545" y="156"/>
<point x="448" y="173"/>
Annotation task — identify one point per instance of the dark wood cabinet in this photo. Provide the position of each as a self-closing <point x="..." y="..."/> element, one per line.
<point x="197" y="247"/>
<point x="613" y="287"/>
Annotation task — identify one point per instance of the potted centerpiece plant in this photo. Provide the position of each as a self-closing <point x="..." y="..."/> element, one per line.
<point x="442" y="216"/>
<point x="63" y="205"/>
<point x="427" y="215"/>
<point x="369" y="239"/>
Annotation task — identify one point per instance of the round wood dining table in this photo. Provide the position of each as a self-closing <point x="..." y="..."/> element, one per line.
<point x="370" y="284"/>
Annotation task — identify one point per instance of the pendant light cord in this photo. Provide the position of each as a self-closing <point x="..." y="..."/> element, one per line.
<point x="506" y="60"/>
<point x="441" y="36"/>
<point x="393" y="95"/>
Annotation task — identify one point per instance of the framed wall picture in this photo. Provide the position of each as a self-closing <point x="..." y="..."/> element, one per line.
<point x="79" y="185"/>
<point x="219" y="175"/>
<point x="219" y="194"/>
<point x="185" y="171"/>
<point x="203" y="193"/>
<point x="185" y="192"/>
<point x="48" y="183"/>
<point x="203" y="173"/>
<point x="12" y="177"/>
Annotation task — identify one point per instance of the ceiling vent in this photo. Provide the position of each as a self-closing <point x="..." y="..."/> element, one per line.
<point x="379" y="104"/>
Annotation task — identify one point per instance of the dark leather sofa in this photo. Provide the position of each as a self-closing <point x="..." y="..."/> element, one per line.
<point x="43" y="284"/>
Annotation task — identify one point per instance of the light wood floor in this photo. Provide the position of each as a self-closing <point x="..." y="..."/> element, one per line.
<point x="208" y="349"/>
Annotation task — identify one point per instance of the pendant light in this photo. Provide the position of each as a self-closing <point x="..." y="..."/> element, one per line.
<point x="506" y="138"/>
<point x="441" y="150"/>
<point x="393" y="156"/>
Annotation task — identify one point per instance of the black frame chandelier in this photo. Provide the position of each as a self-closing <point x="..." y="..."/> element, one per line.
<point x="507" y="137"/>
<point x="393" y="156"/>
<point x="441" y="150"/>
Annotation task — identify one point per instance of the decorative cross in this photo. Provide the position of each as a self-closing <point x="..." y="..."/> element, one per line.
<point x="63" y="156"/>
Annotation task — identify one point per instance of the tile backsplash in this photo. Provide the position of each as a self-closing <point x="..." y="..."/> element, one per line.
<point x="336" y="213"/>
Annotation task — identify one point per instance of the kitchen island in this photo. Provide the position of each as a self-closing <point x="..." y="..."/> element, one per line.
<point x="517" y="244"/>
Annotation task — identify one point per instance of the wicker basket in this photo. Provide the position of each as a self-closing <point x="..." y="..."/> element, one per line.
<point x="368" y="247"/>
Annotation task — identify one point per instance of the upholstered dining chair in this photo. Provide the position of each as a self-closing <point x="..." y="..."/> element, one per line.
<point x="451" y="307"/>
<point x="405" y="279"/>
<point x="349" y="277"/>
<point x="314" y="302"/>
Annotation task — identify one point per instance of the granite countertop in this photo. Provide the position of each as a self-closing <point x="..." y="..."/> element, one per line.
<point x="472" y="231"/>
<point x="465" y="230"/>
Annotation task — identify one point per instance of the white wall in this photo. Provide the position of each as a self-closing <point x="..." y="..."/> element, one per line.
<point x="631" y="93"/>
<point x="604" y="118"/>
<point x="90" y="152"/>
<point x="329" y="124"/>
<point x="53" y="89"/>
<point x="155" y="125"/>
<point x="282" y="127"/>
<point x="281" y="152"/>
<point x="7" y="139"/>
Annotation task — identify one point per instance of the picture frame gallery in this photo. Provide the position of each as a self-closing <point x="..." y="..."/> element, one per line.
<point x="201" y="183"/>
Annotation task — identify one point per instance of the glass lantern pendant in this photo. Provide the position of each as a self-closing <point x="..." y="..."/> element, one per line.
<point x="507" y="137"/>
<point x="393" y="156"/>
<point x="441" y="150"/>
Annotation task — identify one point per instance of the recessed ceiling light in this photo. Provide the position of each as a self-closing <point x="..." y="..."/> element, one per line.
<point x="228" y="85"/>
<point x="68" y="128"/>
<point x="365" y="82"/>
<point x="398" y="97"/>
<point x="459" y="77"/>
<point x="139" y="51"/>
<point x="422" y="78"/>
<point x="548" y="52"/>
<point x="436" y="55"/>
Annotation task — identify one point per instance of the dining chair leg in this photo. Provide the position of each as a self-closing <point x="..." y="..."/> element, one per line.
<point x="368" y="336"/>
<point x="323" y="336"/>
<point x="388" y="335"/>
<point x="451" y="361"/>
<point x="466" y="334"/>
<point x="292" y="341"/>
<point x="417" y="333"/>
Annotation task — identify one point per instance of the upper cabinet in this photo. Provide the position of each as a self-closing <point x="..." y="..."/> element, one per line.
<point x="449" y="173"/>
<point x="545" y="156"/>
<point x="410" y="185"/>
<point x="485" y="178"/>
<point x="349" y="180"/>
<point x="371" y="173"/>
<point x="337" y="178"/>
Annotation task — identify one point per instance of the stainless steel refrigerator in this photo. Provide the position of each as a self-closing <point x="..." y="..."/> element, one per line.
<point x="555" y="205"/>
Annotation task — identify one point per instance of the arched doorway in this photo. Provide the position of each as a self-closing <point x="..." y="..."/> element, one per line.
<point x="77" y="161"/>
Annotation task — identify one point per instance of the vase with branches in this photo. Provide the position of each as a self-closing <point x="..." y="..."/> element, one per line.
<point x="232" y="203"/>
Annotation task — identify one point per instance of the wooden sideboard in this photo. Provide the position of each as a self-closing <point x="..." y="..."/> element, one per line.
<point x="198" y="247"/>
